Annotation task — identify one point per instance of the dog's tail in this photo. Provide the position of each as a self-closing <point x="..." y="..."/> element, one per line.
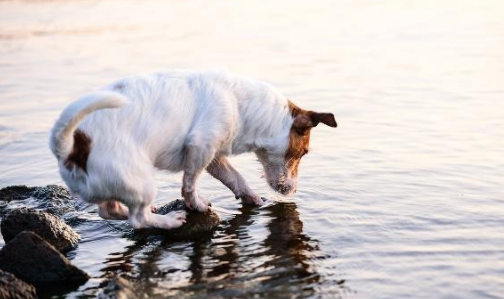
<point x="62" y="136"/>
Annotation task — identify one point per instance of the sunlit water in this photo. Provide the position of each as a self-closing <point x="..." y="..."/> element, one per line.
<point x="405" y="199"/>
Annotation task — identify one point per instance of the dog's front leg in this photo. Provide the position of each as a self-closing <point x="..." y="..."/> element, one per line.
<point x="195" y="161"/>
<point x="221" y="169"/>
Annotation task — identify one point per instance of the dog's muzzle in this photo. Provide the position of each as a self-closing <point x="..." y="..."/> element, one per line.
<point x="284" y="188"/>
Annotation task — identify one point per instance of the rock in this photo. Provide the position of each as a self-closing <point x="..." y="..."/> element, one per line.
<point x="54" y="199"/>
<point x="32" y="259"/>
<point x="50" y="227"/>
<point x="117" y="288"/>
<point x="197" y="223"/>
<point x="13" y="288"/>
<point x="15" y="193"/>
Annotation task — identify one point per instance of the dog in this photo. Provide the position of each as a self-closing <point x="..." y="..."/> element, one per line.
<point x="110" y="143"/>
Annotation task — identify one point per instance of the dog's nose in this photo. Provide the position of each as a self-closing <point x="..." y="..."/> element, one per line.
<point x="284" y="188"/>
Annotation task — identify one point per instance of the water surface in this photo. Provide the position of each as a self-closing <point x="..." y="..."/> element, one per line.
<point x="403" y="200"/>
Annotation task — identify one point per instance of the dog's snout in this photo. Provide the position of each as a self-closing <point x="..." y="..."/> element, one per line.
<point x="284" y="188"/>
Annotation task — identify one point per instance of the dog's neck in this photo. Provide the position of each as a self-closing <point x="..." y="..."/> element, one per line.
<point x="264" y="121"/>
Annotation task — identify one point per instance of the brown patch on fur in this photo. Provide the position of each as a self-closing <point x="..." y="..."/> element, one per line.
<point x="299" y="137"/>
<point x="299" y="140"/>
<point x="80" y="152"/>
<point x="294" y="109"/>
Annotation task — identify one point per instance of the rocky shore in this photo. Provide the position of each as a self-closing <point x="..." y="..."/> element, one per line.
<point x="37" y="228"/>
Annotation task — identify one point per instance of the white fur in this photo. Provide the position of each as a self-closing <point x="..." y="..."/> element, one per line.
<point x="178" y="121"/>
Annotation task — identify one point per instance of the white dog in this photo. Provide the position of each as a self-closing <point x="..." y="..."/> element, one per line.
<point x="178" y="121"/>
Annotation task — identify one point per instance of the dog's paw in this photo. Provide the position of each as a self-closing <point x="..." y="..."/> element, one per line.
<point x="175" y="219"/>
<point x="252" y="200"/>
<point x="200" y="204"/>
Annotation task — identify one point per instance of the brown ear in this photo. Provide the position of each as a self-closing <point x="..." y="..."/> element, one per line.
<point x="302" y="123"/>
<point x="325" y="118"/>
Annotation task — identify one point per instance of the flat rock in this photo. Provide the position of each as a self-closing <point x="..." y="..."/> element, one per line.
<point x="197" y="223"/>
<point x="32" y="259"/>
<point x="48" y="226"/>
<point x="13" y="288"/>
<point x="117" y="288"/>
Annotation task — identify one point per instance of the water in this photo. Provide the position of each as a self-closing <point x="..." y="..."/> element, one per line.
<point x="404" y="199"/>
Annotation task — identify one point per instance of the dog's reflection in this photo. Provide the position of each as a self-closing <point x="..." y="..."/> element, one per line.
<point x="287" y="244"/>
<point x="235" y="262"/>
<point x="240" y="266"/>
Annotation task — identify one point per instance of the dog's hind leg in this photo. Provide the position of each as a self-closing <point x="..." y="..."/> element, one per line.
<point x="195" y="161"/>
<point x="142" y="216"/>
<point x="221" y="169"/>
<point x="114" y="210"/>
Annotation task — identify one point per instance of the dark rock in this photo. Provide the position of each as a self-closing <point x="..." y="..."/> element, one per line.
<point x="52" y="198"/>
<point x="197" y="223"/>
<point x="15" y="193"/>
<point x="34" y="260"/>
<point x="50" y="227"/>
<point x="13" y="288"/>
<point x="117" y="288"/>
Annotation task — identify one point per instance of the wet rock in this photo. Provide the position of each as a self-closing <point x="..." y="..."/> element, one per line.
<point x="118" y="288"/>
<point x="15" y="193"/>
<point x="32" y="259"/>
<point x="52" y="198"/>
<point x="49" y="227"/>
<point x="13" y="288"/>
<point x="197" y="223"/>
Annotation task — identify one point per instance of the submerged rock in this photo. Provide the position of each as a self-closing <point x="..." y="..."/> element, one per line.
<point x="117" y="288"/>
<point x="57" y="200"/>
<point x="15" y="193"/>
<point x="51" y="198"/>
<point x="32" y="259"/>
<point x="50" y="227"/>
<point x="197" y="223"/>
<point x="13" y="288"/>
<point x="54" y="199"/>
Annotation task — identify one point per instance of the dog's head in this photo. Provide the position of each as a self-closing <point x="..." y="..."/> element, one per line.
<point x="281" y="161"/>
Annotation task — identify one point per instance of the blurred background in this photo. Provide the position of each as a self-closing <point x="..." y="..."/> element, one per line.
<point x="404" y="199"/>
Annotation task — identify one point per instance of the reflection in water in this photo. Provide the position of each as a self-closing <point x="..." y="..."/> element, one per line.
<point x="405" y="198"/>
<point x="289" y="248"/>
<point x="230" y="263"/>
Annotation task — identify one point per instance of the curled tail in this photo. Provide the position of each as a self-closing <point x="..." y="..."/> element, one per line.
<point x="62" y="136"/>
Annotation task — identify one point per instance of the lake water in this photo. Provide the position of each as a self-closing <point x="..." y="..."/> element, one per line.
<point x="405" y="199"/>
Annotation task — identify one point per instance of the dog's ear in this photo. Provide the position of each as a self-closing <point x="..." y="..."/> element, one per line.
<point x="305" y="121"/>
<point x="325" y="118"/>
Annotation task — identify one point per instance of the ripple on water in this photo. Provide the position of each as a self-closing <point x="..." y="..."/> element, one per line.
<point x="403" y="200"/>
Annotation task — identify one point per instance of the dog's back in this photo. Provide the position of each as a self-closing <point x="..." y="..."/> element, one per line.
<point x="165" y="112"/>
